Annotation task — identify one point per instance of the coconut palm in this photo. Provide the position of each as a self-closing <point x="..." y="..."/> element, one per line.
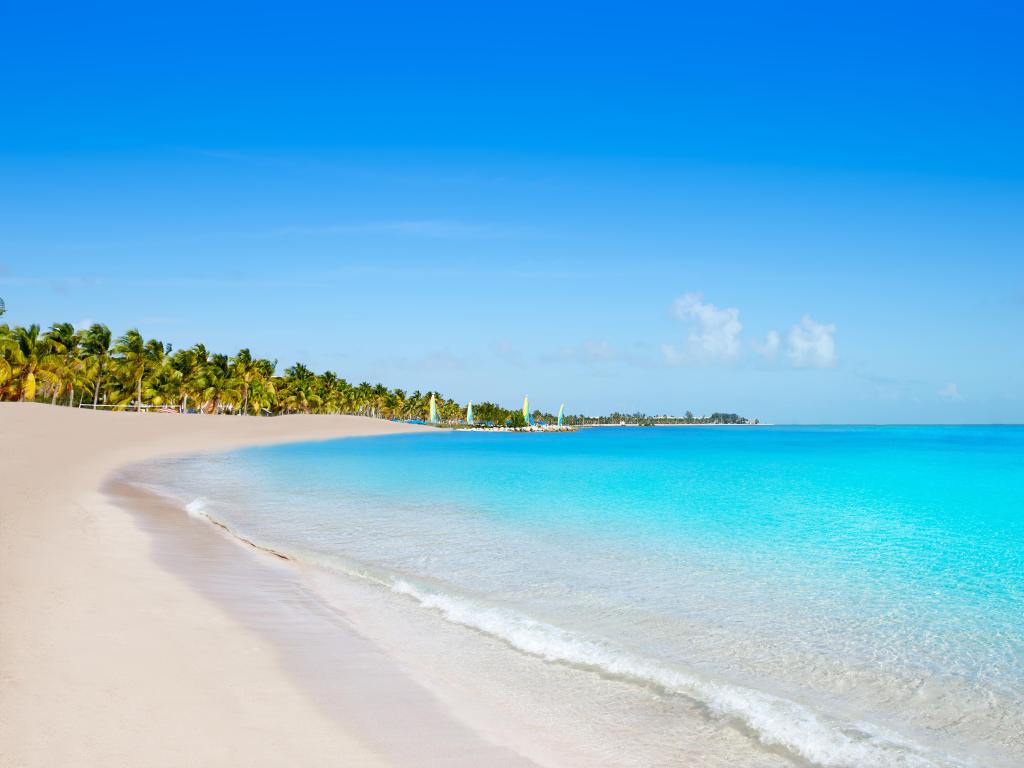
<point x="66" y="363"/>
<point x="136" y="370"/>
<point x="133" y="360"/>
<point x="184" y="371"/>
<point x="248" y="372"/>
<point x="96" y="350"/>
<point x="161" y="386"/>
<point x="263" y="391"/>
<point x="299" y="391"/>
<point x="32" y="361"/>
<point x="217" y="387"/>
<point x="7" y="347"/>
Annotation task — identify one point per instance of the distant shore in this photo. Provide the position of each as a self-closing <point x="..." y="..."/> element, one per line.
<point x="107" y="658"/>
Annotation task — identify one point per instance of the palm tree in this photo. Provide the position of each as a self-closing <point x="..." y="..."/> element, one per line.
<point x="247" y="372"/>
<point x="134" y="360"/>
<point x="216" y="383"/>
<point x="379" y="399"/>
<point x="263" y="392"/>
<point x="33" y="360"/>
<point x="7" y="347"/>
<point x="299" y="389"/>
<point x="134" y="370"/>
<point x="184" y="371"/>
<point x="66" y="364"/>
<point x="161" y="386"/>
<point x="96" y="346"/>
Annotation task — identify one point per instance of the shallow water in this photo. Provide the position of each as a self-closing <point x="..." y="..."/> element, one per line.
<point x="739" y="596"/>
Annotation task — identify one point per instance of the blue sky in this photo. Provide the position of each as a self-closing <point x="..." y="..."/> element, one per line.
<point x="794" y="212"/>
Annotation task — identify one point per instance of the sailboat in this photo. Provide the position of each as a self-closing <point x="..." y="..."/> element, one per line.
<point x="561" y="410"/>
<point x="469" y="413"/>
<point x="433" y="410"/>
<point x="526" y="410"/>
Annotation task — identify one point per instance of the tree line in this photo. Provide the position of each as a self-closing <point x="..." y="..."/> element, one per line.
<point x="643" y="420"/>
<point x="65" y="366"/>
<point x="92" y="367"/>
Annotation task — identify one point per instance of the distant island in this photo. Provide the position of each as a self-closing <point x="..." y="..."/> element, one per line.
<point x="643" y="420"/>
<point x="92" y="368"/>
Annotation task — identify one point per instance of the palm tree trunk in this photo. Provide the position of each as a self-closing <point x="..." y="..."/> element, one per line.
<point x="184" y="404"/>
<point x="138" y="402"/>
<point x="245" y="403"/>
<point x="71" y="400"/>
<point x="96" y="389"/>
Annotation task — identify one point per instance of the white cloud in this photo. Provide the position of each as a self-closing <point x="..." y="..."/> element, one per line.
<point x="769" y="348"/>
<point x="714" y="333"/>
<point x="950" y="392"/>
<point x="811" y="344"/>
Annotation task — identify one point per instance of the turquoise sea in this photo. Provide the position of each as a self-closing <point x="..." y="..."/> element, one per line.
<point x="832" y="596"/>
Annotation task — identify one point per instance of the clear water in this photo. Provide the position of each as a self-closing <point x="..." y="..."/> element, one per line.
<point x="831" y="596"/>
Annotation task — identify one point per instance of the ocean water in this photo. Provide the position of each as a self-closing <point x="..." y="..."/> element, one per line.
<point x="830" y="596"/>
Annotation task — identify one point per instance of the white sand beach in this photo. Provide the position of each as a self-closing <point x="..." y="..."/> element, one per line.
<point x="109" y="657"/>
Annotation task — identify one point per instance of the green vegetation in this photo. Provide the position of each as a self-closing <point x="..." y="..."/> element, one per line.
<point x="92" y="367"/>
<point x="643" y="420"/>
<point x="68" y="367"/>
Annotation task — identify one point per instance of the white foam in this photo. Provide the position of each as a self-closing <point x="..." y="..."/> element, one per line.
<point x="775" y="721"/>
<point x="197" y="509"/>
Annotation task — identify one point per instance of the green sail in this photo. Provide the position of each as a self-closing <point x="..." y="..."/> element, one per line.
<point x="526" y="409"/>
<point x="561" y="410"/>
<point x="469" y="413"/>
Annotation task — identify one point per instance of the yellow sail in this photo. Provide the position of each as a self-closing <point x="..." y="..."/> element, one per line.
<point x="526" y="409"/>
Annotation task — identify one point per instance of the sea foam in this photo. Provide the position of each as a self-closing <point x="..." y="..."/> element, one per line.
<point x="776" y="721"/>
<point x="197" y="509"/>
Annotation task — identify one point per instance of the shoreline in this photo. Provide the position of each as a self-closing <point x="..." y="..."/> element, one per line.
<point x="319" y="646"/>
<point x="109" y="658"/>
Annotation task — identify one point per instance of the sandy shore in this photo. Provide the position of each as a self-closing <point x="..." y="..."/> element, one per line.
<point x="112" y="653"/>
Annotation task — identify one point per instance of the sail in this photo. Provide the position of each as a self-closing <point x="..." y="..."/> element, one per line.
<point x="561" y="410"/>
<point x="433" y="410"/>
<point x="526" y="409"/>
<point x="469" y="413"/>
